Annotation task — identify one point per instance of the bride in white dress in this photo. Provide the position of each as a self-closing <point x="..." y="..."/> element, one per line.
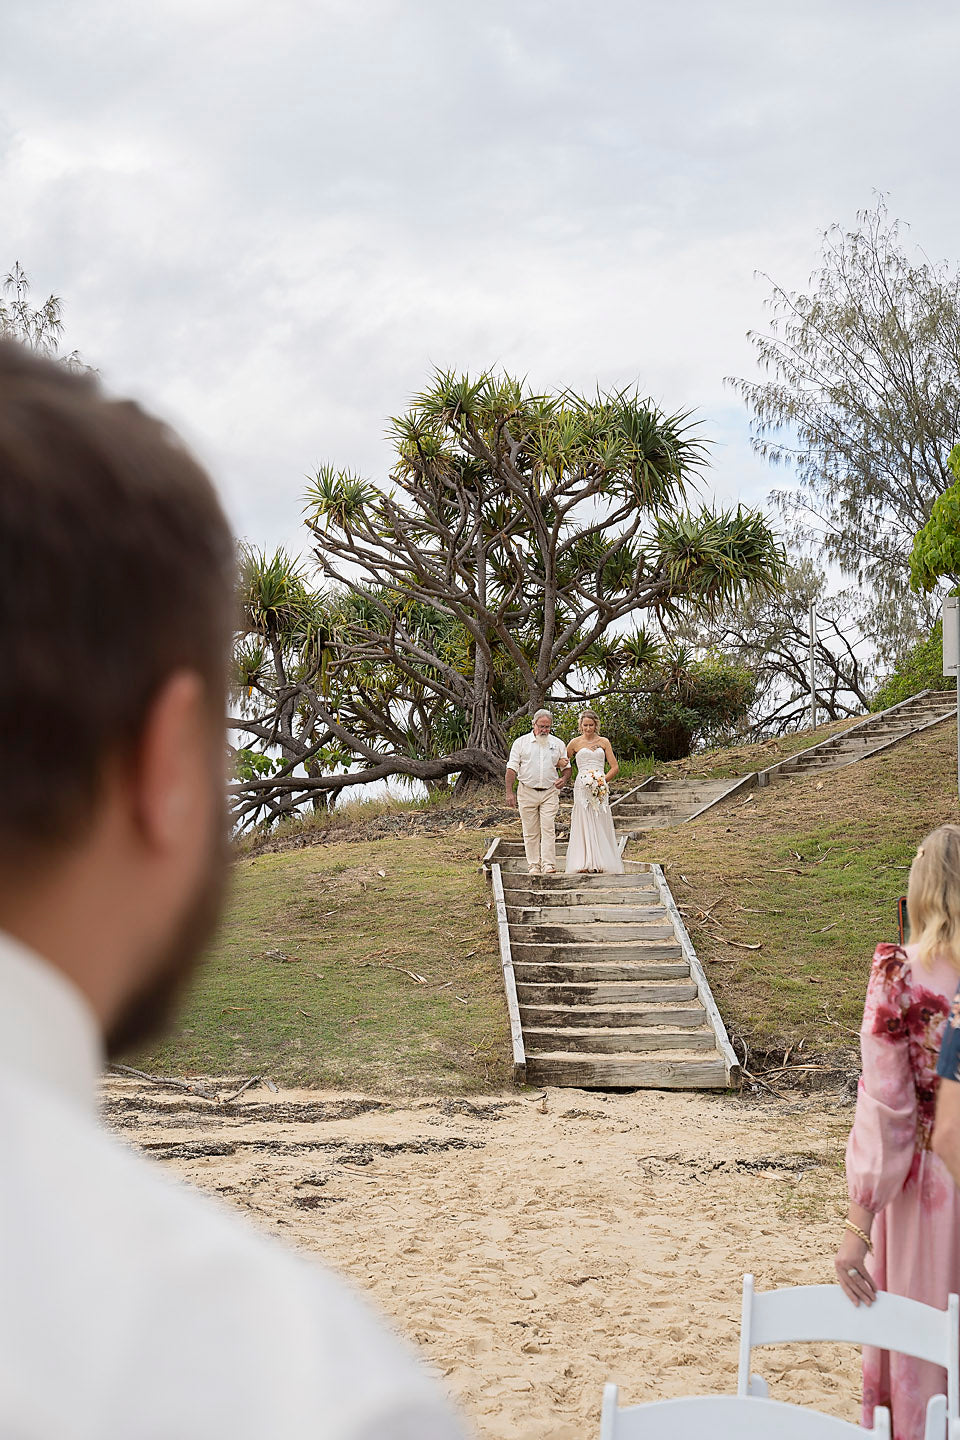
<point x="592" y="848"/>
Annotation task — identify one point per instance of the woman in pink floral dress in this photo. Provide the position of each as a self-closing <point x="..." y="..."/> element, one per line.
<point x="904" y="1207"/>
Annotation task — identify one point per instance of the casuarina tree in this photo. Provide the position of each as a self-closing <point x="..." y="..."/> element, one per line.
<point x="861" y="398"/>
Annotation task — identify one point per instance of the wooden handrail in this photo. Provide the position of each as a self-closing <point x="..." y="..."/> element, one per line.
<point x="509" y="979"/>
<point x="730" y="1060"/>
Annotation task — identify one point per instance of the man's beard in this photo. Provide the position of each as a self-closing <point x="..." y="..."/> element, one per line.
<point x="148" y="1012"/>
<point x="540" y="739"/>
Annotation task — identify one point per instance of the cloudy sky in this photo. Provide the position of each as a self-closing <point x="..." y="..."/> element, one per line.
<point x="269" y="221"/>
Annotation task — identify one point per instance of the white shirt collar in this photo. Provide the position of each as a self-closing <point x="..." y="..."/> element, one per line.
<point x="47" y="1029"/>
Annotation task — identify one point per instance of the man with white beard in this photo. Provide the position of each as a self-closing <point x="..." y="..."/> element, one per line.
<point x="532" y="767"/>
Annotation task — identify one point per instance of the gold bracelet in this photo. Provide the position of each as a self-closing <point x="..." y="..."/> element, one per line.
<point x="861" y="1234"/>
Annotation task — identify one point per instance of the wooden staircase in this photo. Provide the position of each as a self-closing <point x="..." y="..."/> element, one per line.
<point x="603" y="985"/>
<point x="870" y="736"/>
<point x="658" y="803"/>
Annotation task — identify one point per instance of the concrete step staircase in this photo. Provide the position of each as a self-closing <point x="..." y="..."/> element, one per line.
<point x="603" y="985"/>
<point x="870" y="736"/>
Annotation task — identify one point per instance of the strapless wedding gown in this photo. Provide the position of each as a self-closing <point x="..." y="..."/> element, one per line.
<point x="593" y="843"/>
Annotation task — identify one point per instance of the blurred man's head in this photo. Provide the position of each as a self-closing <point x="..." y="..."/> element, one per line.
<point x="116" y="597"/>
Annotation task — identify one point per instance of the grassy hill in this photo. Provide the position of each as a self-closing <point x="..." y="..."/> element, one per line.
<point x="359" y="950"/>
<point x="809" y="870"/>
<point x="368" y="964"/>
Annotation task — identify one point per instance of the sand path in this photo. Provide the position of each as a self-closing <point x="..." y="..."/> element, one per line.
<point x="533" y="1250"/>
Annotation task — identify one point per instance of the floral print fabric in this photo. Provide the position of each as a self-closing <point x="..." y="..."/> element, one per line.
<point x="892" y="1171"/>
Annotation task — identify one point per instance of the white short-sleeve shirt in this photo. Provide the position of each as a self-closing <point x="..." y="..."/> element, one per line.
<point x="536" y="765"/>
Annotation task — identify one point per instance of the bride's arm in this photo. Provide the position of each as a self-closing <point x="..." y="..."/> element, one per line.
<point x="612" y="760"/>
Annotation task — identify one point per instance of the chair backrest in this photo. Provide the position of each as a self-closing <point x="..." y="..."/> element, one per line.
<point x="728" y="1417"/>
<point x="823" y="1312"/>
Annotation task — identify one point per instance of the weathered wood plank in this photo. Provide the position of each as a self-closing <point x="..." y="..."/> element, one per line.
<point x="615" y="1017"/>
<point x="699" y="974"/>
<point x="626" y="1073"/>
<point x="538" y="1040"/>
<point x="585" y="914"/>
<point x="602" y="930"/>
<point x="550" y="883"/>
<point x="614" y="992"/>
<point x="509" y="980"/>
<point x="651" y="950"/>
<point x="645" y="894"/>
<point x="532" y="972"/>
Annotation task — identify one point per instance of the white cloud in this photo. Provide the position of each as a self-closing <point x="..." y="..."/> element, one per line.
<point x="269" y="223"/>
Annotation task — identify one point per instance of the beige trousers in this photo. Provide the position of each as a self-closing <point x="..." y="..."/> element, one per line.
<point x="538" y="816"/>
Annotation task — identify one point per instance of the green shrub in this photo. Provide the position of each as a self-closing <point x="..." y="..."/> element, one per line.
<point x="921" y="670"/>
<point x="667" y="712"/>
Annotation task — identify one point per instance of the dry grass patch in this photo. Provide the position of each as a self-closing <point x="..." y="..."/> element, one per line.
<point x="372" y="965"/>
<point x="809" y="870"/>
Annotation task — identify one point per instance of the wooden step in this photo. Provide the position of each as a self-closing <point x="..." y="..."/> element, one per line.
<point x="607" y="992"/>
<point x="599" y="932"/>
<point x="619" y="953"/>
<point x="543" y="1039"/>
<point x="620" y="1017"/>
<point x="550" y="900"/>
<point x="624" y="914"/>
<point x="557" y="884"/>
<point x="523" y="887"/>
<point x="672" y="1071"/>
<point x="580" y="972"/>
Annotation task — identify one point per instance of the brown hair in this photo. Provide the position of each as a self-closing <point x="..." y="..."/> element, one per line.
<point x="933" y="897"/>
<point x="589" y="715"/>
<point x="116" y="568"/>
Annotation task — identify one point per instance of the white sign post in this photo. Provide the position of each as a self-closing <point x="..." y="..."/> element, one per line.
<point x="951" y="655"/>
<point x="813" y="667"/>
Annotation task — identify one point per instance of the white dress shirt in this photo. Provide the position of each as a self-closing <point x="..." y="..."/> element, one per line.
<point x="534" y="764"/>
<point x="134" y="1308"/>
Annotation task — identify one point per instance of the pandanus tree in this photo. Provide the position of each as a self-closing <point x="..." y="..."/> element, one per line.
<point x="535" y="522"/>
<point x="515" y="531"/>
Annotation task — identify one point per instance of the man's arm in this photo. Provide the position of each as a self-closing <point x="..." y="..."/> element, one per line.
<point x="946" y="1127"/>
<point x="564" y="766"/>
<point x="513" y="770"/>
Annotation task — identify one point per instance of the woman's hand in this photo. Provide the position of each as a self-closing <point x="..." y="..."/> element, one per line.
<point x="852" y="1272"/>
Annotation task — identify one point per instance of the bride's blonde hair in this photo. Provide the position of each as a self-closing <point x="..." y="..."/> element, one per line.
<point x="933" y="897"/>
<point x="589" y="715"/>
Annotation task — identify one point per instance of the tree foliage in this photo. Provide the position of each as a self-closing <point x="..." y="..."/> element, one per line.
<point x="683" y="703"/>
<point x="40" y="327"/>
<point x="920" y="669"/>
<point x="936" y="547"/>
<point x="770" y="637"/>
<point x="533" y="522"/>
<point x="666" y="706"/>
<point x="862" y="399"/>
<point x="515" y="531"/>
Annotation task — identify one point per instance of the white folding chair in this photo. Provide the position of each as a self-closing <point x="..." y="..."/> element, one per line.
<point x="892" y="1322"/>
<point x="729" y="1417"/>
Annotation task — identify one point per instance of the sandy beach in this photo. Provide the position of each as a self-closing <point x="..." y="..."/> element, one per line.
<point x="534" y="1248"/>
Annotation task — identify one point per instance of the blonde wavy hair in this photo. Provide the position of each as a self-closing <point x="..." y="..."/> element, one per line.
<point x="933" y="897"/>
<point x="589" y="715"/>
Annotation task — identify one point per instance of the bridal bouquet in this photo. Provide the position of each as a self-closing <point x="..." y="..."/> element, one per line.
<point x="598" y="791"/>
